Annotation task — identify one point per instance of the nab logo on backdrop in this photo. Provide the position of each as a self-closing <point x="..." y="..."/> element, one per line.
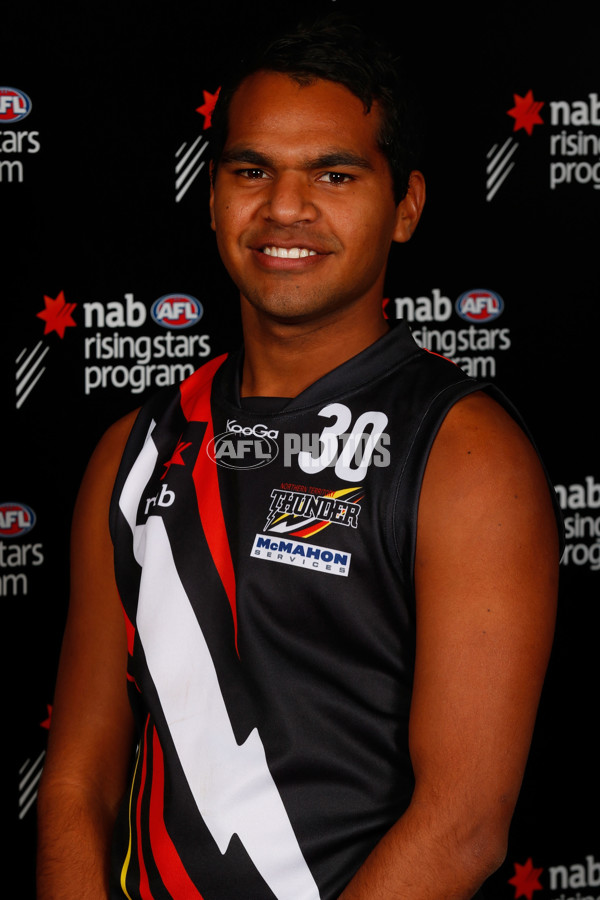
<point x="479" y="306"/>
<point x="177" y="311"/>
<point x="16" y="519"/>
<point x="474" y="347"/>
<point x="571" y="130"/>
<point x="14" y="105"/>
<point x="584" y="875"/>
<point x="139" y="361"/>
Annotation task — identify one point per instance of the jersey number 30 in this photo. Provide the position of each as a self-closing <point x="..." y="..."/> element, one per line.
<point x="358" y="443"/>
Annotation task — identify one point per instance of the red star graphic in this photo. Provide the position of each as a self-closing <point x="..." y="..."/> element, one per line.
<point x="57" y="315"/>
<point x="207" y="107"/>
<point x="176" y="459"/>
<point x="46" y="722"/>
<point x="526" y="112"/>
<point x="526" y="880"/>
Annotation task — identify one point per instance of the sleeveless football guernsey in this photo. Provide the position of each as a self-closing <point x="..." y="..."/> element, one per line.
<point x="264" y="557"/>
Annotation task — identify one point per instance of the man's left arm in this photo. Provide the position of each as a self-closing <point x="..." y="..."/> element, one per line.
<point x="486" y="585"/>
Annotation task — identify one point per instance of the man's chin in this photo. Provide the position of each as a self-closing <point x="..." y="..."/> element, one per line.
<point x="286" y="309"/>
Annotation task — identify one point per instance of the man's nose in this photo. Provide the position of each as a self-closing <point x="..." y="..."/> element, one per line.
<point x="291" y="199"/>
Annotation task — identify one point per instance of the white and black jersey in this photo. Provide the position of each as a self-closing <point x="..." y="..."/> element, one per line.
<point x="264" y="556"/>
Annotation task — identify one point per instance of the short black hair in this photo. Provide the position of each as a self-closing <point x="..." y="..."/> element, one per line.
<point x="336" y="48"/>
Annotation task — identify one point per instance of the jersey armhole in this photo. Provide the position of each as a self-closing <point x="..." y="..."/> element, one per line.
<point x="410" y="479"/>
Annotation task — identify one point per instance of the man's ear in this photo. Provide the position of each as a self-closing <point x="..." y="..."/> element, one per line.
<point x="212" y="194"/>
<point x="410" y="208"/>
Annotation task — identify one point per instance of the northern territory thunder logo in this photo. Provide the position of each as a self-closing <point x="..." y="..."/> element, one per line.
<point x="294" y="516"/>
<point x="303" y="515"/>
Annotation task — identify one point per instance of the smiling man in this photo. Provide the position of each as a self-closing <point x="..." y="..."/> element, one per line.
<point x="333" y="650"/>
<point x="293" y="207"/>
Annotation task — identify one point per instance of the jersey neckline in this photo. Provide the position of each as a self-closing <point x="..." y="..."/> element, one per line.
<point x="386" y="353"/>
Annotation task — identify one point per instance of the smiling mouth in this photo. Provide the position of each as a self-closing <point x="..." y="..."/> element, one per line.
<point x="288" y="252"/>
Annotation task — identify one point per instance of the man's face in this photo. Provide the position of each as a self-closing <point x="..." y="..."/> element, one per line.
<point x="302" y="203"/>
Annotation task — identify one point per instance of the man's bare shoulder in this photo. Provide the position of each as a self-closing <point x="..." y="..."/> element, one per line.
<point x="479" y="416"/>
<point x="109" y="450"/>
<point x="480" y="439"/>
<point x="485" y="483"/>
<point x="104" y="463"/>
<point x="115" y="437"/>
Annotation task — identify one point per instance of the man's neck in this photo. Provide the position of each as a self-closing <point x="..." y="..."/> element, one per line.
<point x="282" y="359"/>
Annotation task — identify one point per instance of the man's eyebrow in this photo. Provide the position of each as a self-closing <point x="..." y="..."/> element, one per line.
<point x="246" y="155"/>
<point x="335" y="158"/>
<point x="328" y="159"/>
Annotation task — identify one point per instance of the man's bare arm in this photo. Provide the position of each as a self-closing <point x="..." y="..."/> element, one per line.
<point x="90" y="741"/>
<point x="486" y="581"/>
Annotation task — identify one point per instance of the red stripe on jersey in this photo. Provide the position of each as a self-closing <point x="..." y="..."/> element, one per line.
<point x="131" y="680"/>
<point x="130" y="631"/>
<point x="195" y="403"/>
<point x="432" y="353"/>
<point x="195" y="388"/>
<point x="145" y="892"/>
<point x="168" y="862"/>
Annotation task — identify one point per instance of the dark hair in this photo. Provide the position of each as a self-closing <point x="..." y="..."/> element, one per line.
<point x="336" y="49"/>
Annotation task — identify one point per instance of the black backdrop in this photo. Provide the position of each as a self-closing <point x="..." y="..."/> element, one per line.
<point x="103" y="191"/>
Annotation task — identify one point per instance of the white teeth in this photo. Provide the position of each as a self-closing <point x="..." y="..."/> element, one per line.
<point x="288" y="253"/>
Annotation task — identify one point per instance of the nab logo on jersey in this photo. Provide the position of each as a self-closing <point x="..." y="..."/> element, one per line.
<point x="16" y="519"/>
<point x="479" y="306"/>
<point x="177" y="311"/>
<point x="14" y="105"/>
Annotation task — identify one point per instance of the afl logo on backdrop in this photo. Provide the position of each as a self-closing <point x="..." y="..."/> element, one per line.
<point x="177" y="311"/>
<point x="14" y="105"/>
<point x="479" y="306"/>
<point x="16" y="519"/>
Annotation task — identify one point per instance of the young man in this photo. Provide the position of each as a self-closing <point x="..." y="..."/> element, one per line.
<point x="335" y="644"/>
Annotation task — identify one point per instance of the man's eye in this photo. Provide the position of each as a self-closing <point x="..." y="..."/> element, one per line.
<point x="251" y="174"/>
<point x="335" y="178"/>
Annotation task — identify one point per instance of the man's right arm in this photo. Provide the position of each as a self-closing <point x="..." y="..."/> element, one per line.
<point x="90" y="741"/>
